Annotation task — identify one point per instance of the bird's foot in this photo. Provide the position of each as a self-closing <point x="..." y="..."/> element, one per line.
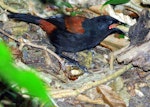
<point x="83" y="68"/>
<point x="76" y="63"/>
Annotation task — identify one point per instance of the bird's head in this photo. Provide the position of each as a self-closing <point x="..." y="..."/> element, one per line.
<point x="109" y="24"/>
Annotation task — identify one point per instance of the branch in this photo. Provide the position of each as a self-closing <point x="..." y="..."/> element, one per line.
<point x="24" y="42"/>
<point x="89" y="85"/>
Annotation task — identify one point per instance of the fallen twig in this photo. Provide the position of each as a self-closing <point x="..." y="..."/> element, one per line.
<point x="111" y="62"/>
<point x="88" y="100"/>
<point x="89" y="85"/>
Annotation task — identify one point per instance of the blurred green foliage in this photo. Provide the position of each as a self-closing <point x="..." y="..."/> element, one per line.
<point x="27" y="79"/>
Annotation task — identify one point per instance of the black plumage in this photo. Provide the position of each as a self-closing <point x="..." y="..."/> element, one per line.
<point x="73" y="33"/>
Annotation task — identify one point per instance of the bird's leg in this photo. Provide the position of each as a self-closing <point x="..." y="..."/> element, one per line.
<point x="76" y="63"/>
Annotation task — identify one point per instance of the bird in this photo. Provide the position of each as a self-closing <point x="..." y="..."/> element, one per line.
<point x="73" y="33"/>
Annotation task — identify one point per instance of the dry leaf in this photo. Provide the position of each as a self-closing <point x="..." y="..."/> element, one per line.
<point x="114" y="43"/>
<point x="120" y="16"/>
<point x="16" y="52"/>
<point x="110" y="97"/>
<point x="146" y="2"/>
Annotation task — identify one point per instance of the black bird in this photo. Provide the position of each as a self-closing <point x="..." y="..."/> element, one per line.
<point x="73" y="33"/>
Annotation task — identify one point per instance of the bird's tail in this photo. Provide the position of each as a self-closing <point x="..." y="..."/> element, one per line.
<point x="25" y="17"/>
<point x="47" y="26"/>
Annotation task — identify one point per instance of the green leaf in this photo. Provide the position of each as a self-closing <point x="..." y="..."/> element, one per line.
<point x="5" y="56"/>
<point x="115" y="2"/>
<point x="27" y="79"/>
<point x="67" y="4"/>
<point x="74" y="13"/>
<point x="121" y="36"/>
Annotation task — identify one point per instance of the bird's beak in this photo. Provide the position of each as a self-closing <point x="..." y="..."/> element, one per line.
<point x="117" y="28"/>
<point x="114" y="25"/>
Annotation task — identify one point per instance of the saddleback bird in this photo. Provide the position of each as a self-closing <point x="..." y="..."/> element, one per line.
<point x="73" y="33"/>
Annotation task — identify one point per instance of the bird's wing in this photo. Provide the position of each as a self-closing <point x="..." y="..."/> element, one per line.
<point x="57" y="20"/>
<point x="74" y="24"/>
